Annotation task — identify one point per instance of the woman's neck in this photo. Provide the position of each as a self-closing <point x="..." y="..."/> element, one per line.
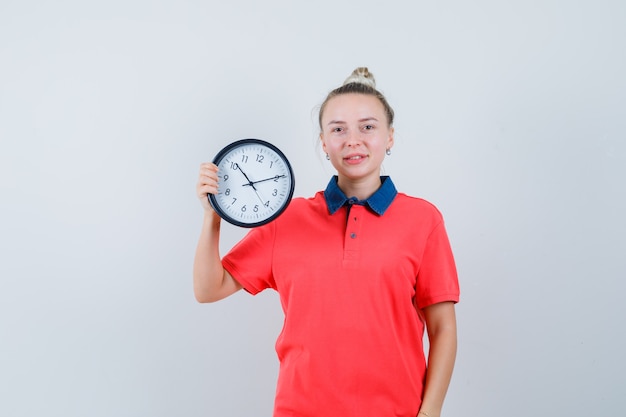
<point x="361" y="189"/>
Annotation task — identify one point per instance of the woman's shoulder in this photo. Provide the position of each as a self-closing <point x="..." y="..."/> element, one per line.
<point x="308" y="202"/>
<point x="301" y="210"/>
<point x="298" y="205"/>
<point x="416" y="205"/>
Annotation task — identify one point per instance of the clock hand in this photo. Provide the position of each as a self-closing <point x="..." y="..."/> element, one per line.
<point x="250" y="183"/>
<point x="244" y="174"/>
<point x="257" y="194"/>
<point x="275" y="177"/>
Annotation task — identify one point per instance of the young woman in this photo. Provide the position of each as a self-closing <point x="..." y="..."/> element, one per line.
<point x="361" y="269"/>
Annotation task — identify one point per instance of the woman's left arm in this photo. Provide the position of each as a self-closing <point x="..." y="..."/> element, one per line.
<point x="441" y="326"/>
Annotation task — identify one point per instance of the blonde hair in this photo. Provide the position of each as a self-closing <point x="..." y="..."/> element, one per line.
<point x="361" y="81"/>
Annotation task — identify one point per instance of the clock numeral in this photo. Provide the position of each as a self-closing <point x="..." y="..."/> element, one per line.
<point x="243" y="208"/>
<point x="234" y="166"/>
<point x="259" y="158"/>
<point x="267" y="203"/>
<point x="227" y="192"/>
<point x="256" y="208"/>
<point x="271" y="164"/>
<point x="234" y="200"/>
<point x="244" y="159"/>
<point x="225" y="177"/>
<point x="275" y="192"/>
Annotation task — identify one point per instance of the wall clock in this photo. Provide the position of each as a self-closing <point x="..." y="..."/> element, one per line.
<point x="255" y="183"/>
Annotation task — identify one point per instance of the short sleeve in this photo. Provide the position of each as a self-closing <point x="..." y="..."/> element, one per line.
<point x="437" y="279"/>
<point x="250" y="260"/>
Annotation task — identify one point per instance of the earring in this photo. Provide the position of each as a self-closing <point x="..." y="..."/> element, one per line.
<point x="388" y="152"/>
<point x="327" y="157"/>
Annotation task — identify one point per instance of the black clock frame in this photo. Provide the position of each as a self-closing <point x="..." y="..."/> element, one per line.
<point x="220" y="155"/>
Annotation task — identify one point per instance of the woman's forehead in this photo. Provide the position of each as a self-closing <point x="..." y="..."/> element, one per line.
<point x="352" y="106"/>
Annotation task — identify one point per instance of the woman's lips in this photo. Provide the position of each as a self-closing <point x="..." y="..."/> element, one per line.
<point x="354" y="159"/>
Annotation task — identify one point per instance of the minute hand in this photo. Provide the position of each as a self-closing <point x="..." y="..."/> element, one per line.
<point x="275" y="177"/>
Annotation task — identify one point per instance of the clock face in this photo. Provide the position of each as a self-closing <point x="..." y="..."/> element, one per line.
<point x="255" y="184"/>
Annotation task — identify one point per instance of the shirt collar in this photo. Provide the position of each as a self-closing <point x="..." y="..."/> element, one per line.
<point x="377" y="202"/>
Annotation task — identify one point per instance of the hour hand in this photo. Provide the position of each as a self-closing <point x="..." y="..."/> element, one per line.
<point x="244" y="174"/>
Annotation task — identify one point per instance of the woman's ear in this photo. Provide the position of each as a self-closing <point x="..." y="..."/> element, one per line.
<point x="390" y="140"/>
<point x="323" y="143"/>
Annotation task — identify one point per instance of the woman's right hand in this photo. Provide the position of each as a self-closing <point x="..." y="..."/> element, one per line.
<point x="207" y="184"/>
<point x="211" y="282"/>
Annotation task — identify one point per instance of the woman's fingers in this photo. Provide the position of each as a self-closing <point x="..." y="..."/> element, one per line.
<point x="207" y="182"/>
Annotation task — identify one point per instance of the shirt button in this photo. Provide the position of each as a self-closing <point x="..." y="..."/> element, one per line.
<point x="353" y="235"/>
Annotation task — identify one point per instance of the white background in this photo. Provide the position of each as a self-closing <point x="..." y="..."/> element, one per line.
<point x="511" y="118"/>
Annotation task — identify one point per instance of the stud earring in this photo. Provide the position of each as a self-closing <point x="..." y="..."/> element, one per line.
<point x="388" y="152"/>
<point x="327" y="157"/>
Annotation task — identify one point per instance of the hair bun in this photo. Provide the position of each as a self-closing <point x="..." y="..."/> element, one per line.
<point x="361" y="75"/>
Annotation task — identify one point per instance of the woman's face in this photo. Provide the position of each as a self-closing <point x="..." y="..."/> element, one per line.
<point x="355" y="135"/>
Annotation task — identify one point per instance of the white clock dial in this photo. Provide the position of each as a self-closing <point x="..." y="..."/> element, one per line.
<point x="256" y="183"/>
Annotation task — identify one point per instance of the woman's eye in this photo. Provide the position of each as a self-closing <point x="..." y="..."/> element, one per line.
<point x="338" y="129"/>
<point x="368" y="127"/>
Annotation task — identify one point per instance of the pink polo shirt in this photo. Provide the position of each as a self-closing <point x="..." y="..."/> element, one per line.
<point x="349" y="284"/>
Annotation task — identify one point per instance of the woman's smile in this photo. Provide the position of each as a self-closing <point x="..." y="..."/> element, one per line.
<point x="355" y="159"/>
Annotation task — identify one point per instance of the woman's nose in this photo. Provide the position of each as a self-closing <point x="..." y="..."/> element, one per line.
<point x="354" y="139"/>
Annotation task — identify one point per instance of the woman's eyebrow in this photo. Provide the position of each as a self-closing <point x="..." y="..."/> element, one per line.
<point x="365" y="119"/>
